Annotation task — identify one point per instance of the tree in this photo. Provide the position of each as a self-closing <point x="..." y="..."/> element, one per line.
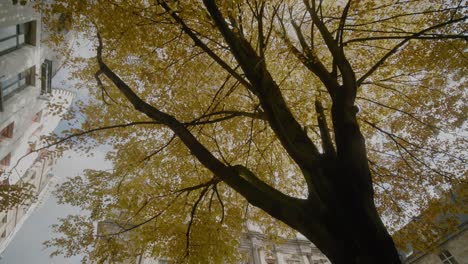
<point x="214" y="105"/>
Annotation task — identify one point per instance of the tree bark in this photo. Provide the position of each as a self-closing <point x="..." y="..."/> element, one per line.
<point x="357" y="239"/>
<point x="357" y="232"/>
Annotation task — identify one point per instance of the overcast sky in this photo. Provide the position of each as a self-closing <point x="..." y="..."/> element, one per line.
<point x="26" y="247"/>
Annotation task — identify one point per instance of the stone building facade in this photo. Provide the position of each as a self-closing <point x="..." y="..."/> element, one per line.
<point x="451" y="245"/>
<point x="452" y="250"/>
<point x="296" y="251"/>
<point x="260" y="250"/>
<point x="257" y="248"/>
<point x="27" y="66"/>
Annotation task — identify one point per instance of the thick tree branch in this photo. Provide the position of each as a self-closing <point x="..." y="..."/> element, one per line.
<point x="262" y="196"/>
<point x="283" y="123"/>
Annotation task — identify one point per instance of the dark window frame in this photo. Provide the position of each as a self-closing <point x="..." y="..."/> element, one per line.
<point x="21" y="29"/>
<point x="447" y="258"/>
<point x="46" y="77"/>
<point x="27" y="76"/>
<point x="27" y="30"/>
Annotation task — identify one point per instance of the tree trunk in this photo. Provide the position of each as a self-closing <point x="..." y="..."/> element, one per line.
<point x="358" y="236"/>
<point x="356" y="232"/>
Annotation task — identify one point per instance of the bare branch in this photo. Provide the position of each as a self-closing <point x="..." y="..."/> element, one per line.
<point x="227" y="114"/>
<point x="422" y="37"/>
<point x="192" y="217"/>
<point x="327" y="143"/>
<point x="339" y="32"/>
<point x="83" y="133"/>
<point x="159" y="149"/>
<point x="203" y="46"/>
<point x="399" y="45"/>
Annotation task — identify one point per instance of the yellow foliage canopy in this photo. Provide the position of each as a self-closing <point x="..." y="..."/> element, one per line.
<point x="401" y="67"/>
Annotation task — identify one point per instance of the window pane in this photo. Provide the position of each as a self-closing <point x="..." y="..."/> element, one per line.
<point x="7" y="32"/>
<point x="21" y="28"/>
<point x="10" y="89"/>
<point x="21" y="39"/>
<point x="7" y="44"/>
<point x="26" y="74"/>
<point x="22" y="83"/>
<point x="16" y="83"/>
<point x="10" y="81"/>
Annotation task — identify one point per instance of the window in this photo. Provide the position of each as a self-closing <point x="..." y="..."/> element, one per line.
<point x="447" y="258"/>
<point x="294" y="261"/>
<point x="7" y="132"/>
<point x="46" y="77"/>
<point x="13" y="37"/>
<point x="33" y="175"/>
<point x="5" y="218"/>
<point x="6" y="160"/>
<point x="319" y="261"/>
<point x="4" y="234"/>
<point x="15" y="84"/>
<point x="37" y="117"/>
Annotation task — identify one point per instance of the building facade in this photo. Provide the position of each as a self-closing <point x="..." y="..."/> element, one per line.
<point x="296" y="251"/>
<point x="27" y="66"/>
<point x="447" y="219"/>
<point x="452" y="250"/>
<point x="255" y="246"/>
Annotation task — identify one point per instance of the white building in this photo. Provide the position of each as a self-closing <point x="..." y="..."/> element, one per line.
<point x="26" y="70"/>
<point x="256" y="246"/>
<point x="450" y="246"/>
<point x="296" y="251"/>
<point x="450" y="250"/>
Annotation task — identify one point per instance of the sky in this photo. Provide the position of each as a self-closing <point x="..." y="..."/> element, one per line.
<point x="26" y="247"/>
